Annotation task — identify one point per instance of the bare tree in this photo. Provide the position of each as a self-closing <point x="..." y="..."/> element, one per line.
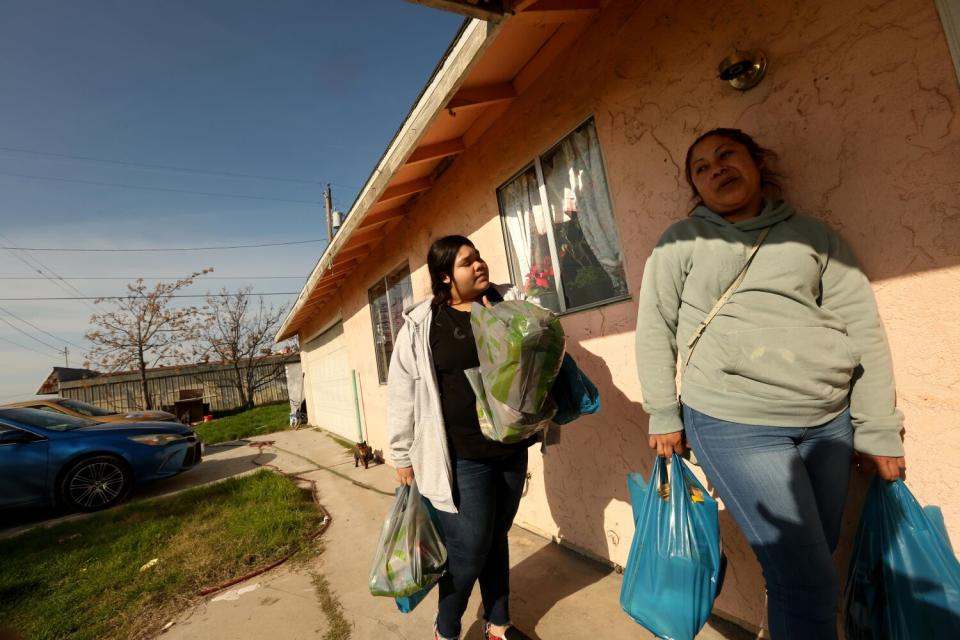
<point x="239" y="331"/>
<point x="143" y="330"/>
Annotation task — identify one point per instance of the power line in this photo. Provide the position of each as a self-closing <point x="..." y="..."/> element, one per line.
<point x="28" y="323"/>
<point x="32" y="337"/>
<point x="145" y="165"/>
<point x="132" y="278"/>
<point x="39" y="267"/>
<point x="164" y="189"/>
<point x="33" y="263"/>
<point x="23" y="346"/>
<point x="151" y="249"/>
<point x="205" y="295"/>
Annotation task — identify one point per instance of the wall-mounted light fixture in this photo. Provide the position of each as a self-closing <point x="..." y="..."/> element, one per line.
<point x="743" y="69"/>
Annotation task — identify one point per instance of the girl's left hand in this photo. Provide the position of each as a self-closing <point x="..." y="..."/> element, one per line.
<point x="887" y="467"/>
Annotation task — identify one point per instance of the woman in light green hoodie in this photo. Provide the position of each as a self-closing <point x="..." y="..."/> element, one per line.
<point x="786" y="371"/>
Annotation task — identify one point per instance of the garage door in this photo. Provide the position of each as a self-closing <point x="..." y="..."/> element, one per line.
<point x="329" y="383"/>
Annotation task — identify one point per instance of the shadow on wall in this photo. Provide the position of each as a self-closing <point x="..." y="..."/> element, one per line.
<point x="856" y="496"/>
<point x="586" y="471"/>
<point x="583" y="473"/>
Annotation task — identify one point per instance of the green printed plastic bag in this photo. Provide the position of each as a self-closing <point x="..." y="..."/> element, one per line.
<point x="520" y="347"/>
<point x="410" y="554"/>
<point x="499" y="422"/>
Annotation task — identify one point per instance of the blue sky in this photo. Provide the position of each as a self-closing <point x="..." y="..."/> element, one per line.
<point x="302" y="92"/>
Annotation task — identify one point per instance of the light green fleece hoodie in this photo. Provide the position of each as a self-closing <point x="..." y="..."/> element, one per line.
<point x="798" y="342"/>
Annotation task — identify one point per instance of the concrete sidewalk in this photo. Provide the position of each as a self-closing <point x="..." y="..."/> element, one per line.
<point x="556" y="593"/>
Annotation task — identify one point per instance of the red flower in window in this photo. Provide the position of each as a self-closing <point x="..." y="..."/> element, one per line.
<point x="540" y="278"/>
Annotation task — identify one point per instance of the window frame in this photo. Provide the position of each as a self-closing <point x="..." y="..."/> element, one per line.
<point x="551" y="240"/>
<point x="383" y="369"/>
<point x="46" y="407"/>
<point x="9" y="428"/>
<point x="949" y="11"/>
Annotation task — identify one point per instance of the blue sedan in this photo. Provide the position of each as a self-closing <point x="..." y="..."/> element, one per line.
<point x="52" y="459"/>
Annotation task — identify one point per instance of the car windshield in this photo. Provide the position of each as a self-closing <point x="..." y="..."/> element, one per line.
<point x="84" y="408"/>
<point x="45" y="419"/>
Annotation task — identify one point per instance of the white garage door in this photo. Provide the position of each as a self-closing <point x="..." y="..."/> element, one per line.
<point x="329" y="383"/>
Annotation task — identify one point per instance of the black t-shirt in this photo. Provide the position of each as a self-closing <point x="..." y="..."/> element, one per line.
<point x="454" y="350"/>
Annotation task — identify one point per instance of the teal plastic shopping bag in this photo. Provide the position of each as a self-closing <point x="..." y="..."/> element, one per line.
<point x="574" y="393"/>
<point x="904" y="579"/>
<point x="673" y="571"/>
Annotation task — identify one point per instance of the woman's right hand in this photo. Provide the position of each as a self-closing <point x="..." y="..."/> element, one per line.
<point x="666" y="444"/>
<point x="405" y="475"/>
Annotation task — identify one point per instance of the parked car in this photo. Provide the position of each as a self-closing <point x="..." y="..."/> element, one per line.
<point x="78" y="409"/>
<point x="53" y="459"/>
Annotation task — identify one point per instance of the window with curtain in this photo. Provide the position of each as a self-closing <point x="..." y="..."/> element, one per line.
<point x="562" y="242"/>
<point x="950" y="17"/>
<point x="387" y="298"/>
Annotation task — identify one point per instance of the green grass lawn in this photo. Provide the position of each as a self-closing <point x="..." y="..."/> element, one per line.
<point x="83" y="580"/>
<point x="256" y="422"/>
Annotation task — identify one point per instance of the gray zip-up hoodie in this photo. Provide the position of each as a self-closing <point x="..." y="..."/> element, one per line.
<point x="418" y="436"/>
<point x="799" y="341"/>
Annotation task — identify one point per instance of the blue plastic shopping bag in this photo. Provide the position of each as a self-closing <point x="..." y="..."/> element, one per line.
<point x="673" y="570"/>
<point x="573" y="392"/>
<point x="904" y="580"/>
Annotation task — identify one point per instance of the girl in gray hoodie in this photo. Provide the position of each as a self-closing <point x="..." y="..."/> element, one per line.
<point x="474" y="483"/>
<point x="786" y="371"/>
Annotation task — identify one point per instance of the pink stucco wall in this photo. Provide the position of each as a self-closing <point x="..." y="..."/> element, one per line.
<point x="861" y="101"/>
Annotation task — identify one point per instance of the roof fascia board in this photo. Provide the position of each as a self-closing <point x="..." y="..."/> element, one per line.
<point x="472" y="10"/>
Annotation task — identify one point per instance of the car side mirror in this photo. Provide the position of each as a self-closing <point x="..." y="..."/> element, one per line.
<point x="16" y="436"/>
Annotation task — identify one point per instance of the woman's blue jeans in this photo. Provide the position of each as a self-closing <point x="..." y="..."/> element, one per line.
<point x="487" y="494"/>
<point x="785" y="487"/>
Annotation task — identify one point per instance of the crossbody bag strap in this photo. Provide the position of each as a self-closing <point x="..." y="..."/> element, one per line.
<point x="698" y="332"/>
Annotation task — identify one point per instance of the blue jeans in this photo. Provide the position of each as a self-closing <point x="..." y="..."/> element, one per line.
<point x="785" y="487"/>
<point x="487" y="494"/>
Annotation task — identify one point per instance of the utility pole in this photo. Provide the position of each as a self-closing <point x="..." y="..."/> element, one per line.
<point x="328" y="201"/>
<point x="66" y="357"/>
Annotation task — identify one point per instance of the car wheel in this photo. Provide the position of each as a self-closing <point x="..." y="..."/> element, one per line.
<point x="95" y="483"/>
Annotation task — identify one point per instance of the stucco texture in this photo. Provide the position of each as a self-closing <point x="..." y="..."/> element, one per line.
<point x="861" y="102"/>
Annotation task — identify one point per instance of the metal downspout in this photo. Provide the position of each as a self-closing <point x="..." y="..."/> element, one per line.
<point x="356" y="405"/>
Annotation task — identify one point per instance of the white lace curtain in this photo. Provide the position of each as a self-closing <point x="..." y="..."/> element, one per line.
<point x="525" y="222"/>
<point x="576" y="185"/>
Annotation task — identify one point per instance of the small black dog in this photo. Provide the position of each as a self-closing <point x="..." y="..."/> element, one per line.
<point x="362" y="452"/>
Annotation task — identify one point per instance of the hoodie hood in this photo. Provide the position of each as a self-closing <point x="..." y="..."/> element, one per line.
<point x="773" y="211"/>
<point x="417" y="312"/>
